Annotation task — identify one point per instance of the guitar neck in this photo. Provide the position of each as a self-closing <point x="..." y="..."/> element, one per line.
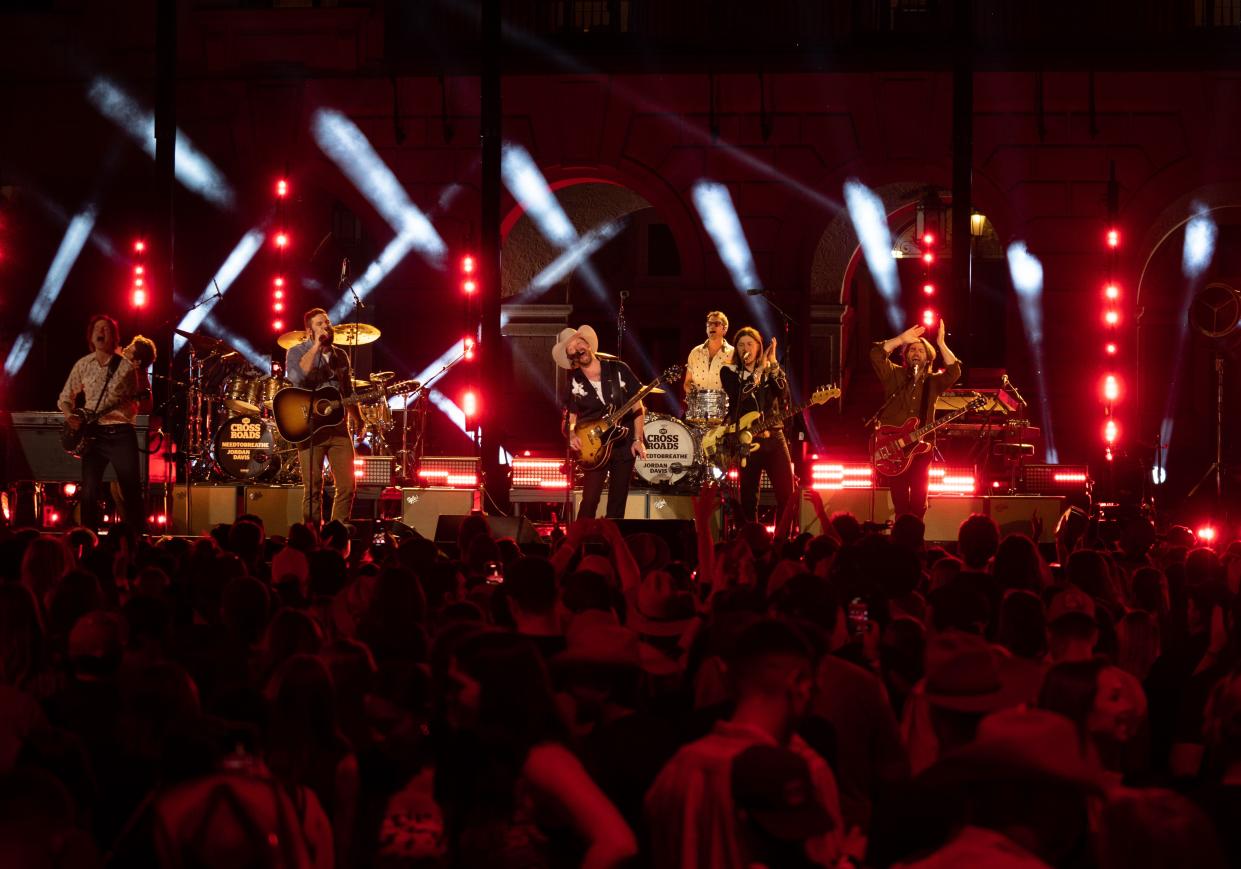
<point x="618" y="415"/>
<point x="924" y="430"/>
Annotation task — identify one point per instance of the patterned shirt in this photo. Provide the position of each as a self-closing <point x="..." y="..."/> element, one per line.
<point x="87" y="378"/>
<point x="704" y="370"/>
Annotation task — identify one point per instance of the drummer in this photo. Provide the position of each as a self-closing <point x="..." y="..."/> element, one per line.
<point x="702" y="370"/>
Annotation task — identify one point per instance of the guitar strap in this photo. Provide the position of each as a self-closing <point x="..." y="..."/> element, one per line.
<point x="112" y="366"/>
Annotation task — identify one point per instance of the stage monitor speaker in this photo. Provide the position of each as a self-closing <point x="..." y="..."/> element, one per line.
<point x="945" y="514"/>
<point x="866" y="505"/>
<point x="422" y="508"/>
<point x="1014" y="513"/>
<point x="679" y="534"/>
<point x="35" y="452"/>
<point x="278" y="506"/>
<point x="635" y="504"/>
<point x="516" y="527"/>
<point x="209" y="506"/>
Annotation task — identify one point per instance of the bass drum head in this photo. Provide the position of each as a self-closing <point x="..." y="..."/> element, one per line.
<point x="671" y="450"/>
<point x="245" y="447"/>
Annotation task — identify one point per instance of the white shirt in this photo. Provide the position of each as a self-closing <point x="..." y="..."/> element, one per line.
<point x="704" y="370"/>
<point x="88" y="376"/>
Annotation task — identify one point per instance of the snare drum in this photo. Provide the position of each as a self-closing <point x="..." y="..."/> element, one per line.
<point x="245" y="448"/>
<point x="706" y="407"/>
<point x="241" y="393"/>
<point x="672" y="450"/>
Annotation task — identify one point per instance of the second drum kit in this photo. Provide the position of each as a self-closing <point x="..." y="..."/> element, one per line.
<point x="674" y="454"/>
<point x="232" y="435"/>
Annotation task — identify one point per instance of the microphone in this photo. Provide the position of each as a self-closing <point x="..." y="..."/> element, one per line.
<point x="1007" y="384"/>
<point x="757" y="291"/>
<point x="344" y="269"/>
<point x="917" y="371"/>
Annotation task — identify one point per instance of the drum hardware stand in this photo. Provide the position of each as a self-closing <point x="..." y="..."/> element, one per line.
<point x="620" y="325"/>
<point x="1217" y="468"/>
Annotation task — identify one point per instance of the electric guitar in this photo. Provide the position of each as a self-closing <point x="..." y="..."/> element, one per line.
<point x="299" y="413"/>
<point x="598" y="435"/>
<point x="893" y="447"/>
<point x="75" y="441"/>
<point x="727" y="443"/>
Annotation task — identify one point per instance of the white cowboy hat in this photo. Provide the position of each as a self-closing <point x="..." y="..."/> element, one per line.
<point x="585" y="332"/>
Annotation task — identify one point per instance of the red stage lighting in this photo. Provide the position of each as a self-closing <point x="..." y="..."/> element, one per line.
<point x="1112" y="318"/>
<point x="467" y="347"/>
<point x="1111" y="388"/>
<point x="469" y="286"/>
<point x="70" y="489"/>
<point x="279" y="294"/>
<point x="1112" y="292"/>
<point x="1113" y="238"/>
<point x="278" y="307"/>
<point x="928" y="238"/>
<point x="1207" y="534"/>
<point x="928" y="289"/>
<point x="137" y="282"/>
<point x="138" y="270"/>
<point x="469" y="404"/>
<point x="928" y="258"/>
<point x="282" y="188"/>
<point x="1111" y="349"/>
<point x="277" y="325"/>
<point x="928" y="318"/>
<point x="140" y="246"/>
<point x="279" y="281"/>
<point x="1111" y="432"/>
<point x="467" y="264"/>
<point x="282" y="239"/>
<point x="139" y="299"/>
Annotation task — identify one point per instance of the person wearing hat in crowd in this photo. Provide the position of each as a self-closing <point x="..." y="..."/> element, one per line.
<point x="598" y="386"/>
<point x="1024" y="782"/>
<point x="1072" y="626"/>
<point x="689" y="809"/>
<point x="777" y="808"/>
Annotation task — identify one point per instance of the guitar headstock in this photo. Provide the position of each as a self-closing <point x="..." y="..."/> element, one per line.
<point x="975" y="404"/>
<point x="824" y="394"/>
<point x="673" y="373"/>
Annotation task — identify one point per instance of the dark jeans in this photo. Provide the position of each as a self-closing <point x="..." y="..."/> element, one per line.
<point x="909" y="488"/>
<point x="620" y="466"/>
<point x="771" y="456"/>
<point x="117" y="444"/>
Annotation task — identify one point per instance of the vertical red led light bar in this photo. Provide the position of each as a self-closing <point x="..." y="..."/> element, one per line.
<point x="470" y="399"/>
<point x="138" y="291"/>
<point x="279" y="288"/>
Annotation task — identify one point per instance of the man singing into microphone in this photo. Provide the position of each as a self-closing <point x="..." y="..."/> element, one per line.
<point x="312" y="364"/>
<point x="910" y="390"/>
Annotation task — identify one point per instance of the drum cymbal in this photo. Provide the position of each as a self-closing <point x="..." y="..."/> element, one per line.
<point x="655" y="390"/>
<point x="206" y="343"/>
<point x="291" y="339"/>
<point x="354" y="334"/>
<point x="382" y="376"/>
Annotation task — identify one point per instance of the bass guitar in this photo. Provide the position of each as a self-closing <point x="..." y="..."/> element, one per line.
<point x="894" y="447"/>
<point x="731" y="442"/>
<point x="598" y="435"/>
<point x="299" y="413"/>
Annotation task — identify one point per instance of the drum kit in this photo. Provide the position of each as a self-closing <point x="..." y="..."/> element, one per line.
<point x="231" y="434"/>
<point x="674" y="455"/>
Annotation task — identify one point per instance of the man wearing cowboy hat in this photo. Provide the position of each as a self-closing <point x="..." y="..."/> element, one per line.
<point x="597" y="385"/>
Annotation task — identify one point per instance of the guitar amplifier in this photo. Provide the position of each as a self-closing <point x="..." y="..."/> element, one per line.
<point x="33" y="452"/>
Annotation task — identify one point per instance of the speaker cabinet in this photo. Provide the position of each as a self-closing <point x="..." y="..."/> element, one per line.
<point x="945" y="514"/>
<point x="278" y="506"/>
<point x="867" y="505"/>
<point x="1014" y="513"/>
<point x="635" y="505"/>
<point x="209" y="506"/>
<point x="34" y="452"/>
<point x="421" y="508"/>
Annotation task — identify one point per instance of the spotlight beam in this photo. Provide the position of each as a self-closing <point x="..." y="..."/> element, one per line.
<point x="870" y="223"/>
<point x="1199" y="247"/>
<point x="192" y="167"/>
<point x="67" y="254"/>
<point x="570" y="258"/>
<point x="719" y="218"/>
<point x="232" y="267"/>
<point x="1026" y="272"/>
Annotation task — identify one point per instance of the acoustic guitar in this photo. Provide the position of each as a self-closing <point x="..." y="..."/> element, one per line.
<point x="598" y="435"/>
<point x="733" y="441"/>
<point x="299" y="413"/>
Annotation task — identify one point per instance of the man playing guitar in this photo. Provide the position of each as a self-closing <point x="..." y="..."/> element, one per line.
<point x="312" y="364"/>
<point x="111" y="385"/>
<point x="911" y="390"/>
<point x="595" y="386"/>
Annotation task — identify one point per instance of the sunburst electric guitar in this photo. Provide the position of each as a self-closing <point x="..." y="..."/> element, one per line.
<point x="731" y="442"/>
<point x="893" y="447"/>
<point x="598" y="435"/>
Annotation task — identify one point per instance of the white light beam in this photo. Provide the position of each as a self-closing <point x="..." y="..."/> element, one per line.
<point x="870" y="223"/>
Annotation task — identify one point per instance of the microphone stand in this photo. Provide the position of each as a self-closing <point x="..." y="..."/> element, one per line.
<point x="620" y="325"/>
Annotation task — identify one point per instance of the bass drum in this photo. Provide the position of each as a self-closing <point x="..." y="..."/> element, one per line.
<point x="672" y="451"/>
<point x="245" y="448"/>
